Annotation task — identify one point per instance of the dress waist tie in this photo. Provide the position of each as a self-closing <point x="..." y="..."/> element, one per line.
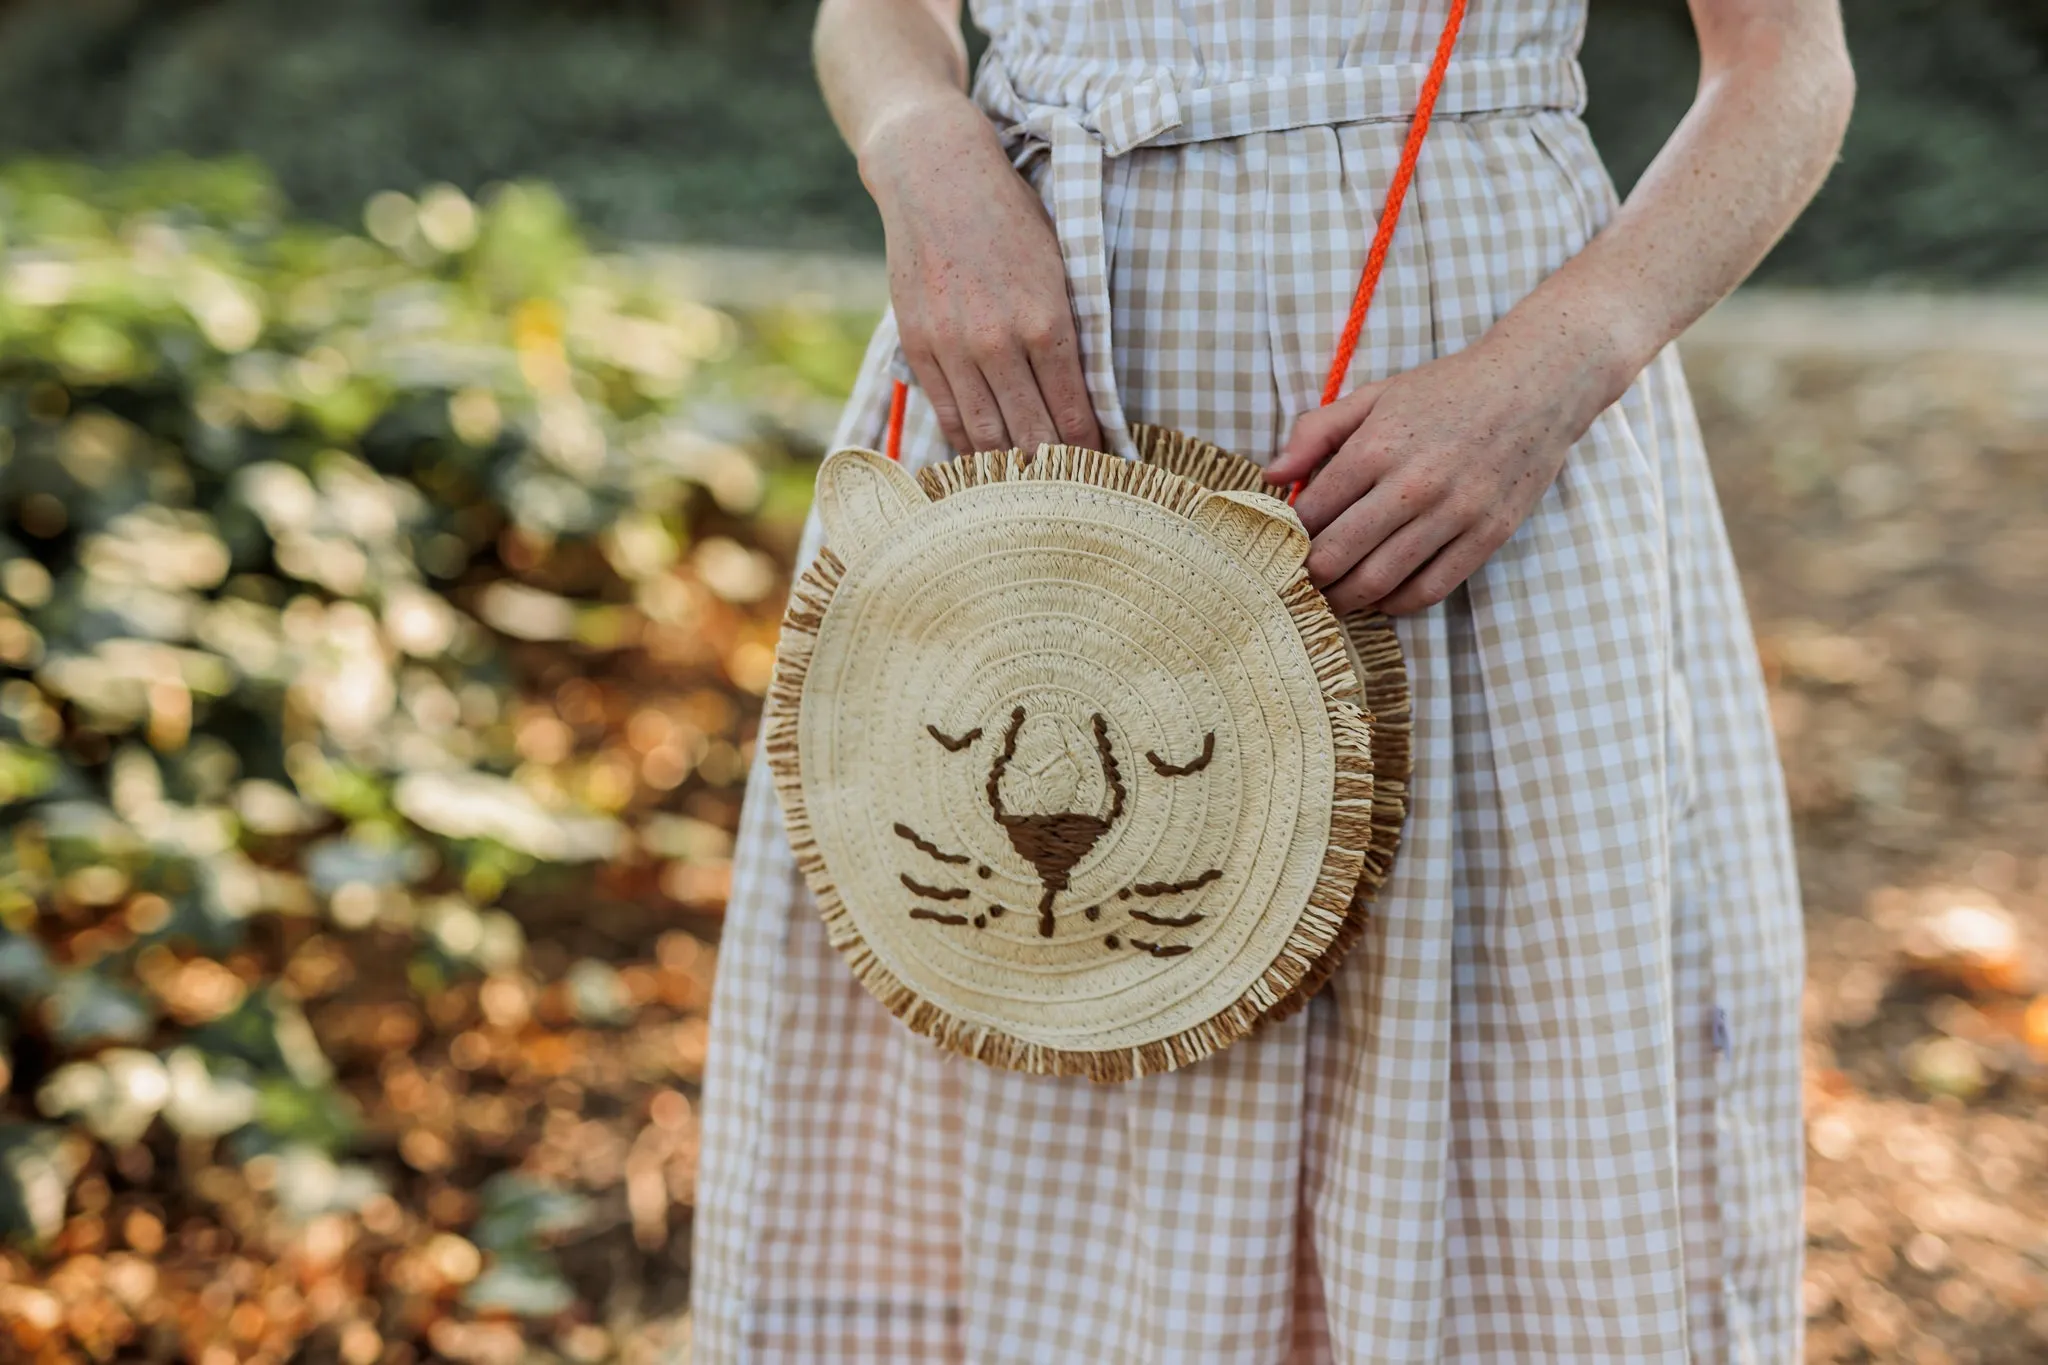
<point x="1081" y="135"/>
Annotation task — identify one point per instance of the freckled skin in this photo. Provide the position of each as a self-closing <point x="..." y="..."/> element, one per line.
<point x="975" y="274"/>
<point x="1414" y="480"/>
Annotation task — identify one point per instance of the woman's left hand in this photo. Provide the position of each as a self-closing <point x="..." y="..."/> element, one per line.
<point x="1431" y="471"/>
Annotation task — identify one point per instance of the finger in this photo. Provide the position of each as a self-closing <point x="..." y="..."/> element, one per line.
<point x="1367" y="457"/>
<point x="1056" y="361"/>
<point x="1452" y="565"/>
<point x="1024" y="412"/>
<point x="1440" y="576"/>
<point x="925" y="369"/>
<point x="1318" y="434"/>
<point x="980" y="414"/>
<point x="1338" y="485"/>
<point x="1359" y="530"/>
<point x="1395" y="485"/>
<point x="1391" y="563"/>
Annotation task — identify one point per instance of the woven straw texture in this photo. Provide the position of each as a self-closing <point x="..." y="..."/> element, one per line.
<point x="1375" y="653"/>
<point x="1069" y="753"/>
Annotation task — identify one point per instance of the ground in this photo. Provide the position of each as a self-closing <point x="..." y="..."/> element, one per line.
<point x="1883" y="478"/>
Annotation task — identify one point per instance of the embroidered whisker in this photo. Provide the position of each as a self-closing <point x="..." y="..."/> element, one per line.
<point x="1168" y="921"/>
<point x="926" y="846"/>
<point x="1176" y="888"/>
<point x="937" y="893"/>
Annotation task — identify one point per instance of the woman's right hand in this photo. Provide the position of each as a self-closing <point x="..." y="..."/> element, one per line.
<point x="977" y="282"/>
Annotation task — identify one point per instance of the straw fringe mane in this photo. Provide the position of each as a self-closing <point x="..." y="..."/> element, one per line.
<point x="1326" y="924"/>
<point x="1382" y="678"/>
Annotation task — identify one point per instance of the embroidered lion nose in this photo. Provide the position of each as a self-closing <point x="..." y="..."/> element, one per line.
<point x="1054" y="841"/>
<point x="1052" y="844"/>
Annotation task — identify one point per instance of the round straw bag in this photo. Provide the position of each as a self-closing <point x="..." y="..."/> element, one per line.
<point x="1072" y="756"/>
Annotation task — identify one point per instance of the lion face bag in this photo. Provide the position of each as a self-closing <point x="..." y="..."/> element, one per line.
<point x="1079" y="765"/>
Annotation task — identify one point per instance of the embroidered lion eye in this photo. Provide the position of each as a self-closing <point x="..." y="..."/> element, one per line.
<point x="953" y="744"/>
<point x="1193" y="765"/>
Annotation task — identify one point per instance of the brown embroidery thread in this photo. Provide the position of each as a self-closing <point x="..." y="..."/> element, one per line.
<point x="1168" y="921"/>
<point x="937" y="893"/>
<point x="1054" y="842"/>
<point x="926" y="846"/>
<point x="1166" y="769"/>
<point x="1176" y="888"/>
<point x="952" y="745"/>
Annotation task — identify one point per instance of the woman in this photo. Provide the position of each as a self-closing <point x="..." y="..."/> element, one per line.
<point x="1549" y="1110"/>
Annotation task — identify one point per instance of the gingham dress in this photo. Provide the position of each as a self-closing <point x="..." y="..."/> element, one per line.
<point x="1549" y="1110"/>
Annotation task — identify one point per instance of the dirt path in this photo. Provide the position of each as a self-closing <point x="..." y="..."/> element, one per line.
<point x="1884" y="477"/>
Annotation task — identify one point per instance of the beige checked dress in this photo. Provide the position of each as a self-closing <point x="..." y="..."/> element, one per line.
<point x="1549" y="1110"/>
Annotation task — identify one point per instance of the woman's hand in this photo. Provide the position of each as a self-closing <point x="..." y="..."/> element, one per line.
<point x="1431" y="471"/>
<point x="978" y="284"/>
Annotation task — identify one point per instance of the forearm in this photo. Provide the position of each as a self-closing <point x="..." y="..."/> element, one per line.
<point x="1773" y="101"/>
<point x="976" y="281"/>
<point x="881" y="62"/>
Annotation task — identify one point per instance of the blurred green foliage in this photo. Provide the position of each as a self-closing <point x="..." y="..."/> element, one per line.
<point x="280" y="506"/>
<point x="1940" y="179"/>
<point x="697" y="120"/>
<point x="658" y="122"/>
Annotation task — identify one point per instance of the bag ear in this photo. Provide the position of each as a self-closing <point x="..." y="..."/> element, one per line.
<point x="1262" y="530"/>
<point x="861" y="496"/>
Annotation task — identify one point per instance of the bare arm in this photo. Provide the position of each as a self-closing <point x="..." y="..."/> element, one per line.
<point x="1431" y="471"/>
<point x="1773" y="104"/>
<point x="975" y="274"/>
<point x="883" y="60"/>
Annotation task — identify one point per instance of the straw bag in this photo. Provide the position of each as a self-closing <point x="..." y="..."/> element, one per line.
<point x="1082" y="770"/>
<point x="1072" y="756"/>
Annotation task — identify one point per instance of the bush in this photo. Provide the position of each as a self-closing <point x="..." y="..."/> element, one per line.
<point x="384" y="617"/>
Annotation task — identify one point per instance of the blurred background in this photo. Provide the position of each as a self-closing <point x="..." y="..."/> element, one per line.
<point x="407" y="413"/>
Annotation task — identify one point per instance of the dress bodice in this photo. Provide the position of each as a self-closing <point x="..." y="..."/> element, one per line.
<point x="1212" y="42"/>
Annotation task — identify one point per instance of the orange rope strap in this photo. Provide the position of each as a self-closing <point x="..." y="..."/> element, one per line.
<point x="898" y="397"/>
<point x="1375" y="258"/>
